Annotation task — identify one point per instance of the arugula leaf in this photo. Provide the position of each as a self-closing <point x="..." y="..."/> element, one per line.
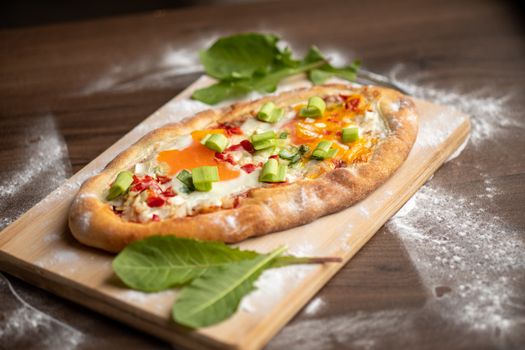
<point x="240" y="56"/>
<point x="221" y="91"/>
<point x="253" y="62"/>
<point x="216" y="295"/>
<point x="262" y="83"/>
<point x="161" y="262"/>
<point x="327" y="71"/>
<point x="323" y="73"/>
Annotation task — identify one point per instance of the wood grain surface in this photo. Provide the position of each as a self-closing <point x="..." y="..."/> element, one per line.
<point x="83" y="85"/>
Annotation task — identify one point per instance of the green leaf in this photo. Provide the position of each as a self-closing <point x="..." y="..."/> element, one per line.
<point x="313" y="55"/>
<point x="325" y="72"/>
<point x="262" y="83"/>
<point x="161" y="262"/>
<point x="216" y="295"/>
<point x="240" y="56"/>
<point x="221" y="91"/>
<point x="253" y="62"/>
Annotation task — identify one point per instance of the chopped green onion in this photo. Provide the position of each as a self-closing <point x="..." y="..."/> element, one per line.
<point x="185" y="177"/>
<point x="283" y="135"/>
<point x="216" y="142"/>
<point x="204" y="176"/>
<point x="331" y="153"/>
<point x="272" y="171"/>
<point x="270" y="113"/>
<point x="303" y="149"/>
<point x="323" y="151"/>
<point x="264" y="144"/>
<point x="120" y="185"/>
<point x="314" y="109"/>
<point x="288" y="153"/>
<point x="350" y="134"/>
<point x="267" y="135"/>
<point x="295" y="159"/>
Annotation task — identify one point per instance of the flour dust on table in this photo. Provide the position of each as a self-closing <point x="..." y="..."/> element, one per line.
<point x="25" y="325"/>
<point x="153" y="70"/>
<point x="465" y="257"/>
<point x="44" y="165"/>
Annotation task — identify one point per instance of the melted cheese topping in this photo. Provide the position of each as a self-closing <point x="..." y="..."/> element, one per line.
<point x="239" y="169"/>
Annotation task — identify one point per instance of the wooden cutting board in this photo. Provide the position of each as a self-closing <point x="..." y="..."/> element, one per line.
<point x="38" y="247"/>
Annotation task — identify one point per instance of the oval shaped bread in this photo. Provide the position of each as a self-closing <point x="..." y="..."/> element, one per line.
<point x="264" y="210"/>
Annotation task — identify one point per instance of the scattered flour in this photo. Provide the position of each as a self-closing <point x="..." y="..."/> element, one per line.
<point x="44" y="166"/>
<point x="151" y="71"/>
<point x="466" y="257"/>
<point x="452" y="241"/>
<point x="272" y="286"/>
<point x="490" y="117"/>
<point x="22" y="321"/>
<point x="314" y="306"/>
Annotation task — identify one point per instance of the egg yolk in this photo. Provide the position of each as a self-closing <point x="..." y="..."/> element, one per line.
<point x="328" y="127"/>
<point x="196" y="155"/>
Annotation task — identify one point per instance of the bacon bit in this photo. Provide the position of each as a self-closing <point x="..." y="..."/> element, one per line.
<point x="247" y="145"/>
<point x="274" y="156"/>
<point x="155" y="202"/>
<point x="155" y="217"/>
<point x="236" y="202"/>
<point x="169" y="192"/>
<point x="237" y="199"/>
<point x="249" y="168"/>
<point x="339" y="163"/>
<point x="230" y="129"/>
<point x="225" y="157"/>
<point x="163" y="179"/>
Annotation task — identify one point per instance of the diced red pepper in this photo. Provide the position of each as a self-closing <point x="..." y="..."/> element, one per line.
<point x="169" y="192"/>
<point x="155" y="202"/>
<point x="155" y="217"/>
<point x="225" y="157"/>
<point x="247" y="145"/>
<point x="249" y="168"/>
<point x="235" y="131"/>
<point x="353" y="104"/>
<point x="274" y="156"/>
<point x="236" y="147"/>
<point x="163" y="179"/>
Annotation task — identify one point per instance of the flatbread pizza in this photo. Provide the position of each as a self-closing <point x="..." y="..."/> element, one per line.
<point x="249" y="169"/>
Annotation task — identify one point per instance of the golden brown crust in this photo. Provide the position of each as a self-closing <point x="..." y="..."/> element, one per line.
<point x="265" y="210"/>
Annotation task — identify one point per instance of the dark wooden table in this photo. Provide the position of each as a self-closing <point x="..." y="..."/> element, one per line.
<point x="447" y="272"/>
